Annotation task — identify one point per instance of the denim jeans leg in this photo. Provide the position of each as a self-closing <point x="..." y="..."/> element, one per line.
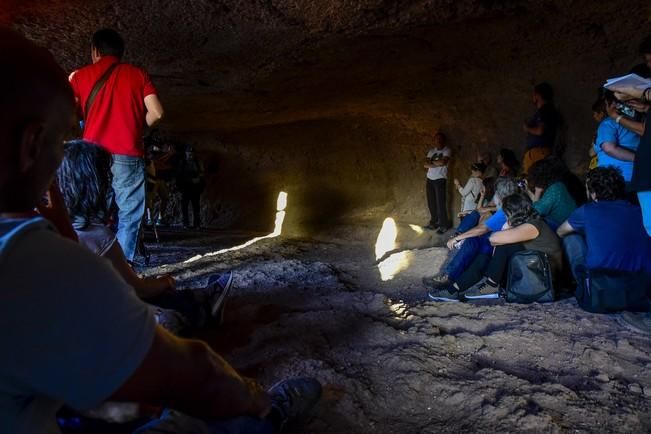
<point x="129" y="188"/>
<point x="464" y="257"/>
<point x="468" y="222"/>
<point x="575" y="251"/>
<point x="173" y="422"/>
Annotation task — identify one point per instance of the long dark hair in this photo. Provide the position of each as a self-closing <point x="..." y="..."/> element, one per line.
<point x="85" y="181"/>
<point x="509" y="159"/>
<point x="518" y="209"/>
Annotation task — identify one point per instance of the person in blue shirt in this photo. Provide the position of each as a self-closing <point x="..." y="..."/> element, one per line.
<point x="615" y="145"/>
<point x="606" y="233"/>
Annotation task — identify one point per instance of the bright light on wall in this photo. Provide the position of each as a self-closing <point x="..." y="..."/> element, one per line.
<point x="386" y="242"/>
<point x="281" y="206"/>
<point x="386" y="239"/>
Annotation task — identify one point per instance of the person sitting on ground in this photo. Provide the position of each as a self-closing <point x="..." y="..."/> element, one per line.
<point x="85" y="177"/>
<point x="550" y="197"/>
<point x="524" y="230"/>
<point x="507" y="162"/>
<point x="607" y="233"/>
<point x="78" y="333"/>
<point x="486" y="158"/>
<point x="470" y="245"/>
<point x="472" y="190"/>
<point x="615" y="145"/>
<point x="598" y="114"/>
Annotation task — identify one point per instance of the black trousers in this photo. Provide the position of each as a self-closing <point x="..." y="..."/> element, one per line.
<point x="499" y="263"/>
<point x="437" y="203"/>
<point x="191" y="197"/>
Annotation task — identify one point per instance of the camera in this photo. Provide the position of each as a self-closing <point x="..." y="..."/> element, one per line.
<point x="625" y="110"/>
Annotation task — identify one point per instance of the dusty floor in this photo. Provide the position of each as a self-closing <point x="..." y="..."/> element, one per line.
<point x="320" y="309"/>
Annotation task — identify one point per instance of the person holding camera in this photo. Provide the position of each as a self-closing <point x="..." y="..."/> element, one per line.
<point x="436" y="164"/>
<point x="615" y="144"/>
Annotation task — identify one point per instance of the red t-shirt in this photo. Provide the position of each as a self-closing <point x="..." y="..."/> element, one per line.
<point x="117" y="116"/>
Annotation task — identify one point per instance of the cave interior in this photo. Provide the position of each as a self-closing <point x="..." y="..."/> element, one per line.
<point x="335" y="103"/>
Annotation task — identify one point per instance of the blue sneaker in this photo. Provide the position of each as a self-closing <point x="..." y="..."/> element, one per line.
<point x="292" y="400"/>
<point x="220" y="286"/>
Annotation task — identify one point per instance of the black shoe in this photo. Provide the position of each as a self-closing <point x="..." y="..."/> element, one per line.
<point x="441" y="230"/>
<point x="292" y="400"/>
<point x="431" y="227"/>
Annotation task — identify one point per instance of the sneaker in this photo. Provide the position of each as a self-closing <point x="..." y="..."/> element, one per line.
<point x="292" y="400"/>
<point x="448" y="294"/>
<point x="171" y="320"/>
<point x="482" y="290"/>
<point x="220" y="286"/>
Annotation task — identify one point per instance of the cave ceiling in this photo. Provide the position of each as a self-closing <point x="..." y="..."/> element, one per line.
<point x="229" y="64"/>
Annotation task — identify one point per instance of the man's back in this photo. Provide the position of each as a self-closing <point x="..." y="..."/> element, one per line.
<point x="117" y="115"/>
<point x="614" y="235"/>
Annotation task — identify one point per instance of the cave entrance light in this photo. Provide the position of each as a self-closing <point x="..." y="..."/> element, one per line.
<point x="281" y="206"/>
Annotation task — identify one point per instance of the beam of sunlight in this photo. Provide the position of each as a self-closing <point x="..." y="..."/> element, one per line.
<point x="418" y="229"/>
<point x="394" y="264"/>
<point x="386" y="239"/>
<point x="281" y="206"/>
<point x="386" y="242"/>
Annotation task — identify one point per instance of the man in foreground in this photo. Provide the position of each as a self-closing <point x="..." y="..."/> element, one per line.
<point x="76" y="334"/>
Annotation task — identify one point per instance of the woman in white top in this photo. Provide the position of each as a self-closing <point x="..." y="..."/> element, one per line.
<point x="471" y="191"/>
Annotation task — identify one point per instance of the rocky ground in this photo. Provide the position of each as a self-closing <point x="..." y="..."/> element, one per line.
<point x="395" y="363"/>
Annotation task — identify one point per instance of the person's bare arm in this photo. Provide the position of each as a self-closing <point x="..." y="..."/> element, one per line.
<point x="631" y="125"/>
<point x="442" y="162"/>
<point x="565" y="229"/>
<point x="618" y="152"/>
<point x="144" y="287"/>
<point x="154" y="109"/>
<point x="477" y="231"/>
<point x="518" y="234"/>
<point x="188" y="376"/>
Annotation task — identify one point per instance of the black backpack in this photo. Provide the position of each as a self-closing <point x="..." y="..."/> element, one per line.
<point x="604" y="291"/>
<point x="529" y="279"/>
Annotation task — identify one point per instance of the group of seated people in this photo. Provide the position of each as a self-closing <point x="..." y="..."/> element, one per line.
<point x="80" y="327"/>
<point x="541" y="214"/>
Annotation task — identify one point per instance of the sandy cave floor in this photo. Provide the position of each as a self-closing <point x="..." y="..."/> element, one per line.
<point x="395" y="363"/>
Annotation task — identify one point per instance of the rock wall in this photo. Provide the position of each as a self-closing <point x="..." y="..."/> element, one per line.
<point x="336" y="101"/>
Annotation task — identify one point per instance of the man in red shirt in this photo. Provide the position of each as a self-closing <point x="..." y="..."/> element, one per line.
<point x="125" y="100"/>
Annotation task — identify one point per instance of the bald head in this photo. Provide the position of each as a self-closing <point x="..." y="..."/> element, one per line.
<point x="38" y="107"/>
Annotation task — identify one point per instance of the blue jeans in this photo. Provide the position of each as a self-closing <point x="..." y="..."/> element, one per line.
<point x="129" y="188"/>
<point x="468" y="222"/>
<point x="575" y="251"/>
<point x="469" y="250"/>
<point x="173" y="422"/>
<point x="645" y="203"/>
